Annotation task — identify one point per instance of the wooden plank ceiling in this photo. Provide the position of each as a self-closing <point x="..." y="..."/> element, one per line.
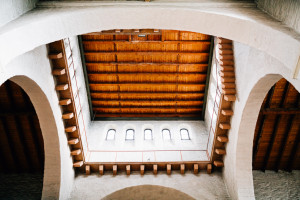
<point x="277" y="134"/>
<point x="21" y="141"/>
<point x="146" y="73"/>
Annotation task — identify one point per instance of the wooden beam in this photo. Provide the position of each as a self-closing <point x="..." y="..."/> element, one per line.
<point x="222" y="139"/>
<point x="76" y="152"/>
<point x="73" y="141"/>
<point x="292" y="156"/>
<point x="87" y="170"/>
<point x="128" y="170"/>
<point x="226" y="52"/>
<point x="227" y="112"/>
<point x="229" y="97"/>
<point x="77" y="163"/>
<point x="281" y="111"/>
<point x="62" y="87"/>
<point x="256" y="143"/>
<point x="196" y="168"/>
<point x="155" y="169"/>
<point x="227" y="80"/>
<point x="223" y="41"/>
<point x="271" y="143"/>
<point x="145" y="53"/>
<point x="54" y="56"/>
<point x="142" y="168"/>
<point x="169" y="169"/>
<point x="227" y="74"/>
<point x="225" y="46"/>
<point x="10" y="158"/>
<point x="115" y="168"/>
<point x="209" y="168"/>
<point x="101" y="169"/>
<point x="68" y="115"/>
<point x="220" y="151"/>
<point x="225" y="68"/>
<point x="224" y="126"/>
<point x="65" y="102"/>
<point x="228" y="91"/>
<point x="228" y="85"/>
<point x="226" y="62"/>
<point x="225" y="57"/>
<point x="59" y="72"/>
<point x="283" y="142"/>
<point x="182" y="168"/>
<point x="218" y="163"/>
<point x="70" y="129"/>
<point x="36" y="131"/>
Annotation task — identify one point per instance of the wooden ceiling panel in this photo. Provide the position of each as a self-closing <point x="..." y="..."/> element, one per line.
<point x="146" y="73"/>
<point x="21" y="141"/>
<point x="277" y="132"/>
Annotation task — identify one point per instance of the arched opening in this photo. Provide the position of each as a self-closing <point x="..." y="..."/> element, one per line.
<point x="148" y="192"/>
<point x="276" y="143"/>
<point x="21" y="145"/>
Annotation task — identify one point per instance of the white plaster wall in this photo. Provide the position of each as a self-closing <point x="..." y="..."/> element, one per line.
<point x="286" y="11"/>
<point x="12" y="9"/>
<point x="256" y="72"/>
<point x="32" y="71"/>
<point x="201" y="186"/>
<point x="276" y="185"/>
<point x="245" y="24"/>
<point x="274" y="49"/>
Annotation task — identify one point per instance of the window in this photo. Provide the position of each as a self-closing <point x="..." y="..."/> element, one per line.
<point x="148" y="134"/>
<point x="184" y="134"/>
<point x="110" y="134"/>
<point x="166" y="134"/>
<point x="129" y="134"/>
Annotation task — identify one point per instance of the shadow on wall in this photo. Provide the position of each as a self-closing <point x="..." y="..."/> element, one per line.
<point x="21" y="145"/>
<point x="148" y="192"/>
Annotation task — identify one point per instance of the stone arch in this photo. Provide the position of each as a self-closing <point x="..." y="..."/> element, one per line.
<point x="244" y="144"/>
<point x="148" y="192"/>
<point x="52" y="166"/>
<point x="21" y="35"/>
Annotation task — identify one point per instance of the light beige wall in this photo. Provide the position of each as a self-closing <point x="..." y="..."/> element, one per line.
<point x="266" y="47"/>
<point x="32" y="71"/>
<point x="286" y="11"/>
<point x="12" y="9"/>
<point x="256" y="72"/>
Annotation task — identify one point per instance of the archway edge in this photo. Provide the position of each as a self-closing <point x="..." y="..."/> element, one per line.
<point x="244" y="141"/>
<point x="249" y="26"/>
<point x="52" y="167"/>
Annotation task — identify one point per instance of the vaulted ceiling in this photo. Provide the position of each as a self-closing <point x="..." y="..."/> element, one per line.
<point x="146" y="73"/>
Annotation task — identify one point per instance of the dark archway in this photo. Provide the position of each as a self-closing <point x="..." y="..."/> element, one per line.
<point x="277" y="132"/>
<point x="21" y="145"/>
<point x="276" y="144"/>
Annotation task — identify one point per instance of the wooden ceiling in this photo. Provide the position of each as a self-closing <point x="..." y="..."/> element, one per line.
<point x="277" y="134"/>
<point x="21" y="141"/>
<point x="146" y="73"/>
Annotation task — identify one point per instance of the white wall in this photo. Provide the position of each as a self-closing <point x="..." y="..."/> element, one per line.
<point x="256" y="72"/>
<point x="286" y="11"/>
<point x="273" y="49"/>
<point x="32" y="71"/>
<point x="12" y="9"/>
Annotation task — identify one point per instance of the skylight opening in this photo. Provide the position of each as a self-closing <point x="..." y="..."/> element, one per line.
<point x="129" y="134"/>
<point x="184" y="133"/>
<point x="148" y="134"/>
<point x="166" y="134"/>
<point x="111" y="134"/>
